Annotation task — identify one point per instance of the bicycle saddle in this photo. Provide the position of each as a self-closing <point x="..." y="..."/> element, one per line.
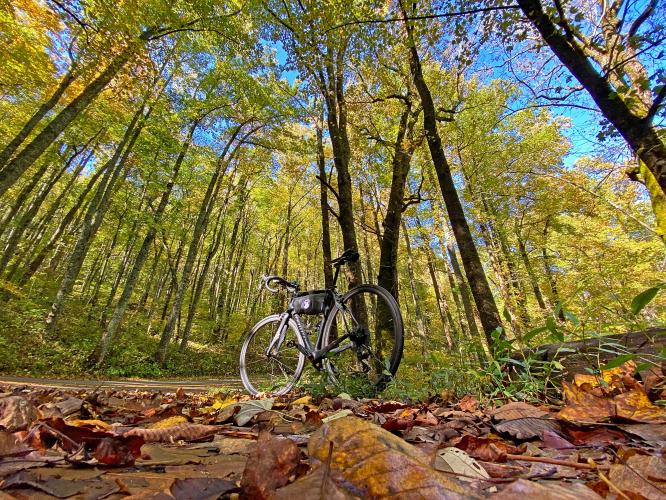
<point x="347" y="256"/>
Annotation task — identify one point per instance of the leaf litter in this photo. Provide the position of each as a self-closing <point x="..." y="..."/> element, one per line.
<point x="607" y="441"/>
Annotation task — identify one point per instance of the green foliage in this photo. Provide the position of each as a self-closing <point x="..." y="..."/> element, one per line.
<point x="645" y="297"/>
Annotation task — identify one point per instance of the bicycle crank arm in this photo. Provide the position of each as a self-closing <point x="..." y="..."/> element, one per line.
<point x="320" y="354"/>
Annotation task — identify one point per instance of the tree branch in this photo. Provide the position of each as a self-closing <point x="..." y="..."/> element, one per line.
<point x="331" y="188"/>
<point x="641" y="18"/>
<point x="423" y="17"/>
<point x="652" y="112"/>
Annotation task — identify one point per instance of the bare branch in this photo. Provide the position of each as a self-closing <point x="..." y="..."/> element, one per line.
<point x="656" y="104"/>
<point x="641" y="18"/>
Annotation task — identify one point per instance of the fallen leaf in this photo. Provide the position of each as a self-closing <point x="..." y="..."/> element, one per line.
<point x="523" y="488"/>
<point x="469" y="403"/>
<point x="583" y="405"/>
<point x="601" y="436"/>
<point x="117" y="452"/>
<point x="17" y="413"/>
<point x="12" y="447"/>
<point x="610" y="378"/>
<point x="305" y="400"/>
<point x="248" y="409"/>
<point x="338" y="414"/>
<point x="269" y="466"/>
<point x="201" y="488"/>
<point x="69" y="406"/>
<point x="60" y="488"/>
<point x="487" y="449"/>
<point x="153" y="454"/>
<point x="369" y="461"/>
<point x="647" y="432"/>
<point x="455" y="460"/>
<point x="315" y="485"/>
<point x="93" y="424"/>
<point x="527" y="428"/>
<point x="641" y="475"/>
<point x="516" y="410"/>
<point x="554" y="440"/>
<point x="502" y="470"/>
<point x="635" y="406"/>
<point x="168" y="422"/>
<point x="179" y="432"/>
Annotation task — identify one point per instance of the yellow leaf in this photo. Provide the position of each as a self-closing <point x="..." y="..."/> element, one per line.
<point x="608" y="376"/>
<point x="219" y="404"/>
<point x="169" y="422"/>
<point x="370" y="462"/>
<point x="90" y="423"/>
<point x="305" y="400"/>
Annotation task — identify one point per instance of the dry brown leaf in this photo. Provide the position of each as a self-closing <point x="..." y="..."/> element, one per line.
<point x="93" y="424"/>
<point x="468" y="403"/>
<point x="269" y="466"/>
<point x="59" y="488"/>
<point x="527" y="428"/>
<point x="369" y="461"/>
<point x="601" y="436"/>
<point x="642" y="475"/>
<point x="12" y="447"/>
<point x="487" y="449"/>
<point x="516" y="410"/>
<point x="201" y="488"/>
<point x="315" y="485"/>
<point x="634" y="405"/>
<point x="17" y="413"/>
<point x="647" y="432"/>
<point x="523" y="488"/>
<point x="554" y="440"/>
<point x="180" y="432"/>
<point x="583" y="405"/>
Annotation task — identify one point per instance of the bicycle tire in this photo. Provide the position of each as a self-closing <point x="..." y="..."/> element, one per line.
<point x="270" y="383"/>
<point x="386" y="364"/>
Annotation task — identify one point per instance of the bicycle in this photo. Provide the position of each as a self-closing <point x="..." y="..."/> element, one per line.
<point x="359" y="336"/>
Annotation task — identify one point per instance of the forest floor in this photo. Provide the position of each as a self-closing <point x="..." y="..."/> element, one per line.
<point x="606" y="440"/>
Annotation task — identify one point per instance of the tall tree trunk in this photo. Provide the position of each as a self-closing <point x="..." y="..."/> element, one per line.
<point x="390" y="240"/>
<point x="197" y="233"/>
<point x="325" y="223"/>
<point x="336" y="107"/>
<point x="9" y="150"/>
<point x="36" y="261"/>
<point x="95" y="214"/>
<point x="27" y="156"/>
<point x="530" y="272"/>
<point x="418" y="312"/>
<point x="22" y="197"/>
<point x="28" y="216"/>
<point x="101" y="350"/>
<point x="442" y="306"/>
<point x="476" y="276"/>
<point x="555" y="294"/>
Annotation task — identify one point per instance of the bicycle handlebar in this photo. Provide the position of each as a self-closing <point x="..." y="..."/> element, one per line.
<point x="266" y="281"/>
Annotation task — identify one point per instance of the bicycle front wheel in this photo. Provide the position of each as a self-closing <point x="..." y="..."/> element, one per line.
<point x="370" y="321"/>
<point x="270" y="363"/>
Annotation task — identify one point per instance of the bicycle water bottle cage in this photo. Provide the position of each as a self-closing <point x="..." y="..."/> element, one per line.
<point x="312" y="302"/>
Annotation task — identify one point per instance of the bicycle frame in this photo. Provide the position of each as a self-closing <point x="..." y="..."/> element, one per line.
<point x="315" y="353"/>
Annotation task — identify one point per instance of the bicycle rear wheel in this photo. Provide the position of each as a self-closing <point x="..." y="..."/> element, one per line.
<point x="370" y="356"/>
<point x="275" y="371"/>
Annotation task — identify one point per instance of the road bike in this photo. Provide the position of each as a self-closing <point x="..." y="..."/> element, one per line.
<point x="359" y="337"/>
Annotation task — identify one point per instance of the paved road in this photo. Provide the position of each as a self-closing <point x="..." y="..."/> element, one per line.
<point x="133" y="384"/>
